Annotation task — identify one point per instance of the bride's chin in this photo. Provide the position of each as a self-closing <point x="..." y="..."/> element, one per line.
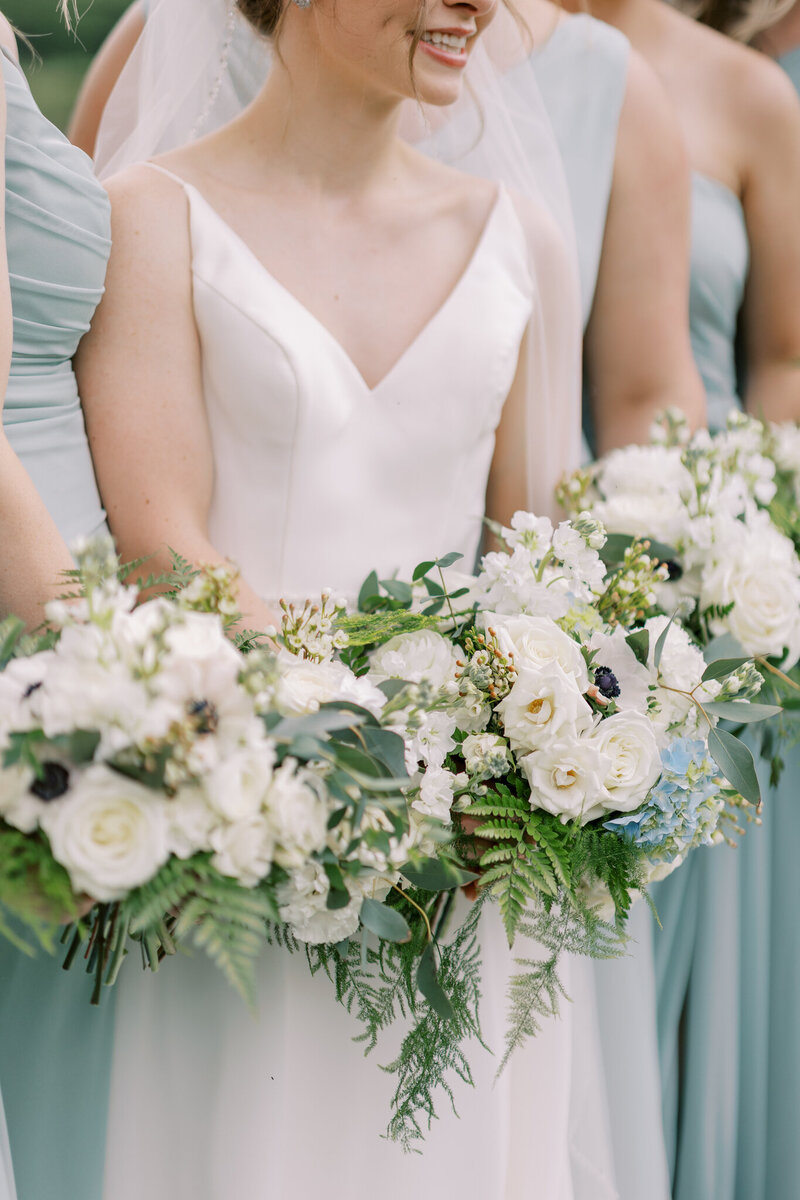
<point x="437" y="92"/>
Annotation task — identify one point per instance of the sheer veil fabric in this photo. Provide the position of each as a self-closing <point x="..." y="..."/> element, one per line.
<point x="196" y="66"/>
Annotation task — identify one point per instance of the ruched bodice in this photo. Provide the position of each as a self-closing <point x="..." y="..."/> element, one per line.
<point x="582" y="72"/>
<point x="58" y="241"/>
<point x="304" y="449"/>
<point x="719" y="265"/>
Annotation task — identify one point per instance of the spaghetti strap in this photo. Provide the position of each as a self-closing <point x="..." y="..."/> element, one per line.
<point x="169" y="174"/>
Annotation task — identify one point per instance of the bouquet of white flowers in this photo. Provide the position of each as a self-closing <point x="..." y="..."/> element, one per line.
<point x="722" y="512"/>
<point x="161" y="785"/>
<point x="569" y="729"/>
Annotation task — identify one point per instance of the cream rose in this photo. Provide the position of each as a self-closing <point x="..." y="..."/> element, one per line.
<point x="542" y="705"/>
<point x="109" y="832"/>
<point x="628" y="741"/>
<point x="423" y="654"/>
<point x="567" y="779"/>
<point x="536" y="642"/>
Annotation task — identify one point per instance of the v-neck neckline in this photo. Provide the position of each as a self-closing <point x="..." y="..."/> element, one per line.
<point x="195" y="194"/>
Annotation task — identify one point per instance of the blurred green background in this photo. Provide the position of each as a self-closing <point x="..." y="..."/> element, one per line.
<point x="62" y="57"/>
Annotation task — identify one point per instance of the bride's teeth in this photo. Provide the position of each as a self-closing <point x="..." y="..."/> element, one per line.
<point x="448" y="40"/>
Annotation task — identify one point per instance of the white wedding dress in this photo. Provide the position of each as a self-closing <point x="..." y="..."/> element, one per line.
<point x="318" y="480"/>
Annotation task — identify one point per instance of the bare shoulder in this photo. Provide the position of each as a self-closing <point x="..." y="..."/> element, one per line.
<point x="149" y="219"/>
<point x="7" y="37"/>
<point x="649" y="127"/>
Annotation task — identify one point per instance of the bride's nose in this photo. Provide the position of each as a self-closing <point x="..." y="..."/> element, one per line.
<point x="472" y="8"/>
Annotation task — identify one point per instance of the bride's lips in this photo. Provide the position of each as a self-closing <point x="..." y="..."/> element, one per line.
<point x="449" y="55"/>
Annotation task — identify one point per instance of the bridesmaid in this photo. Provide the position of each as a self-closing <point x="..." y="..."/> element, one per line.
<point x="55" y="1050"/>
<point x="742" y="125"/>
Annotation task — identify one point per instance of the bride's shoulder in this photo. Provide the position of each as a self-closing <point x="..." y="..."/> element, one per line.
<point x="149" y="219"/>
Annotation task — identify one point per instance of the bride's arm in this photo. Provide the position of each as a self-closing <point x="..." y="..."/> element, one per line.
<point x="32" y="554"/>
<point x="139" y="371"/>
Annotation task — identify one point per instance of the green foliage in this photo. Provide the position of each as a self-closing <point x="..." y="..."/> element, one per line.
<point x="34" y="888"/>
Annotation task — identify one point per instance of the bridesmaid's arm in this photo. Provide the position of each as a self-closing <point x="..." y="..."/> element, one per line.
<point x="101" y="77"/>
<point x="140" y="378"/>
<point x="770" y="126"/>
<point x="33" y="554"/>
<point x="638" y="353"/>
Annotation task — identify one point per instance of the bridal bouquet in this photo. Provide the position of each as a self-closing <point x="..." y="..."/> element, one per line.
<point x="567" y="728"/>
<point x="722" y="512"/>
<point x="160" y="785"/>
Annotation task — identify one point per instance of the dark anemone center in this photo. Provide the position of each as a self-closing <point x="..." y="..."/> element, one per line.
<point x="53" y="783"/>
<point x="204" y="715"/>
<point x="606" y="682"/>
<point x="674" y="570"/>
<point x="30" y="689"/>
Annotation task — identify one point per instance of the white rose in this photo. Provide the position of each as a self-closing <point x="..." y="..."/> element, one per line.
<point x="537" y="642"/>
<point x="760" y="578"/>
<point x="567" y="779"/>
<point x="541" y="706"/>
<point x="244" y="850"/>
<point x="236" y="787"/>
<point x="109" y="832"/>
<point x="627" y="739"/>
<point x="298" y="814"/>
<point x="423" y="654"/>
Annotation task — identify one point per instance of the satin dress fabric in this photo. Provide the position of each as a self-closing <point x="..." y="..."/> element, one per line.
<point x="318" y="479"/>
<point x="55" y="1049"/>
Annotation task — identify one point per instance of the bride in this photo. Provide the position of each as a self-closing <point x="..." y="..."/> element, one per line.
<point x="320" y="353"/>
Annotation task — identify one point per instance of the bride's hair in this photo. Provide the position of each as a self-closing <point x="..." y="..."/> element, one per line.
<point x="739" y="19"/>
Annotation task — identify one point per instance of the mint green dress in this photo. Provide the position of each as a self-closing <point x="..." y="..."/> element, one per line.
<point x="55" y="1049"/>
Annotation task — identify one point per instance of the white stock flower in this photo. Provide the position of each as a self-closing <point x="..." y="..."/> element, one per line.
<point x="628" y="741"/>
<point x="244" y="849"/>
<point x="18" y="805"/>
<point x="536" y="642"/>
<point x="421" y="655"/>
<point x="303" y="903"/>
<point x="435" y="794"/>
<point x="298" y="814"/>
<point x="567" y="778"/>
<point x="542" y="705"/>
<point x="109" y="832"/>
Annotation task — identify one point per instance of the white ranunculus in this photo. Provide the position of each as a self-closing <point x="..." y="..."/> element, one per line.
<point x="421" y="655"/>
<point x="543" y="705"/>
<point x="760" y="578"/>
<point x="237" y="786"/>
<point x="190" y="821"/>
<point x="435" y="794"/>
<point x="244" y="850"/>
<point x="486" y="754"/>
<point x="304" y="685"/>
<point x="567" y="778"/>
<point x="298" y="814"/>
<point x="109" y="832"/>
<point x="628" y="741"/>
<point x="537" y="641"/>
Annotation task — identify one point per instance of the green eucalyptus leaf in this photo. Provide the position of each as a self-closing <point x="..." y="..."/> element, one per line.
<point x="316" y="724"/>
<point x="742" y="712"/>
<point x="616" y="544"/>
<point x="389" y="748"/>
<point x="370" y="590"/>
<point x="391" y="687"/>
<point x="448" y="560"/>
<point x="422" y="569"/>
<point x="721" y="667"/>
<point x="662" y="641"/>
<point x="428" y="984"/>
<point x="723" y="646"/>
<point x="79" y="745"/>
<point x="436" y="874"/>
<point x="736" y="762"/>
<point x="639" y="643"/>
<point x="386" y="922"/>
<point x="398" y="590"/>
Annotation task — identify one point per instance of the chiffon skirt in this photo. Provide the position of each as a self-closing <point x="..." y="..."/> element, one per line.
<point x="227" y="1105"/>
<point x="55" y="1064"/>
<point x="728" y="976"/>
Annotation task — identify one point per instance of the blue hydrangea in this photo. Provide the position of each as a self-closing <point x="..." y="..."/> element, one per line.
<point x="682" y="810"/>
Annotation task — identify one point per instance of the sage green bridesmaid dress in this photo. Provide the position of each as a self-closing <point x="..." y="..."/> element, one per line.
<point x="55" y="1049"/>
<point x="726" y="961"/>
